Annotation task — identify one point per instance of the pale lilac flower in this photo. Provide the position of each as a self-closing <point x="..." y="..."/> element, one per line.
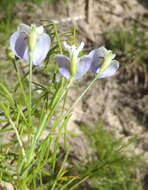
<point x="98" y="57"/>
<point x="20" y="46"/>
<point x="73" y="66"/>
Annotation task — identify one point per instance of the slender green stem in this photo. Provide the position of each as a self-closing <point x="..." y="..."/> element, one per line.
<point x="79" y="98"/>
<point x="30" y="88"/>
<point x="37" y="135"/>
<point x="18" y="137"/>
<point x="65" y="94"/>
<point x="81" y="181"/>
<point x="58" y="39"/>
<point x="56" y="101"/>
<point x="20" y="83"/>
<point x="83" y="93"/>
<point x="64" y="101"/>
<point x="67" y="184"/>
<point x="60" y="171"/>
<point x="23" y="186"/>
<point x="44" y="121"/>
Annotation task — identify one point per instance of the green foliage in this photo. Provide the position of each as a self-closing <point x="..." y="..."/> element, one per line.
<point x="130" y="43"/>
<point x="110" y="169"/>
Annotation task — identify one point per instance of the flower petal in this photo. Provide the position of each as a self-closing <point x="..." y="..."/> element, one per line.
<point x="97" y="56"/>
<point x="18" y="43"/>
<point x="64" y="67"/>
<point x="24" y="28"/>
<point x="111" y="70"/>
<point x="42" y="48"/>
<point x="83" y="66"/>
<point x="99" y="52"/>
<point x="40" y="30"/>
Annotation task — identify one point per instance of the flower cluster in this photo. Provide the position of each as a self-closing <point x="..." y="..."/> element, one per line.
<point x="33" y="39"/>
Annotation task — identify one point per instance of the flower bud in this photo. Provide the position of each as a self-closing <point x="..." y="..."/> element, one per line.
<point x="73" y="65"/>
<point x="10" y="54"/>
<point x="32" y="38"/>
<point x="107" y="61"/>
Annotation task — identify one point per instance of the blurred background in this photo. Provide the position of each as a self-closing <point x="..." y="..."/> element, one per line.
<point x="118" y="104"/>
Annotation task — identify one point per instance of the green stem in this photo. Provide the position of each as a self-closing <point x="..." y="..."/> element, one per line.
<point x="58" y="98"/>
<point x="64" y="101"/>
<point x="30" y="88"/>
<point x="83" y="93"/>
<point x="58" y="39"/>
<point x="79" y="98"/>
<point x="20" y="83"/>
<point x="36" y="137"/>
<point x="22" y="186"/>
<point x="18" y="137"/>
<point x="44" y="121"/>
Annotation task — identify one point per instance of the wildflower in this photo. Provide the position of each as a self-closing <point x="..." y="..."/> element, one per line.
<point x="73" y="66"/>
<point x="103" y="62"/>
<point x="30" y="39"/>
